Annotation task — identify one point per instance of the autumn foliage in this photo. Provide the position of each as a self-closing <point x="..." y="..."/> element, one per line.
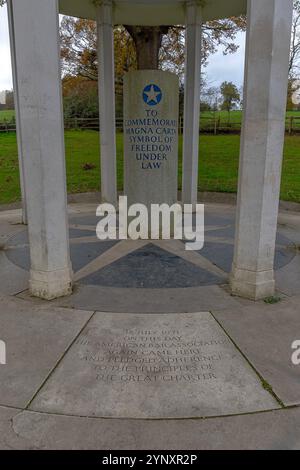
<point x="135" y="47"/>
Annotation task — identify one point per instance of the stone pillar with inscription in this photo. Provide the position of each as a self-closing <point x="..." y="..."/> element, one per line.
<point x="151" y="108"/>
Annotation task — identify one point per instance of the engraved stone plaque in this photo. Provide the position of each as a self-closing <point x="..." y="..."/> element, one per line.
<point x="151" y="108"/>
<point x="153" y="366"/>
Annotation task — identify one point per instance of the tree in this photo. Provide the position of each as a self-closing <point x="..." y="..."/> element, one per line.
<point x="138" y="47"/>
<point x="230" y="96"/>
<point x="147" y="41"/>
<point x="211" y="96"/>
<point x="214" y="34"/>
<point x="141" y="47"/>
<point x="164" y="46"/>
<point x="295" y="43"/>
<point x="80" y="59"/>
<point x="294" y="84"/>
<point x="80" y="97"/>
<point x="10" y="104"/>
<point x="221" y="33"/>
<point x="79" y="49"/>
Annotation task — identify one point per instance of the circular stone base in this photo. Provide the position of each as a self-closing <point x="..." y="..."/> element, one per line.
<point x="154" y="366"/>
<point x="148" y="276"/>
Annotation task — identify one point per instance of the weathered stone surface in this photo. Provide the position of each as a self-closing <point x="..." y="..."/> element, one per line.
<point x="265" y="334"/>
<point x="13" y="279"/>
<point x="109" y="299"/>
<point x="8" y="438"/>
<point x="158" y="366"/>
<point x="287" y="278"/>
<point x="151" y="102"/>
<point x="273" y="430"/>
<point x="36" y="337"/>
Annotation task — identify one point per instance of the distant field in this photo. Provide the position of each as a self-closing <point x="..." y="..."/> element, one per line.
<point x="208" y="118"/>
<point x="6" y="115"/>
<point x="237" y="115"/>
<point x="218" y="164"/>
<point x="234" y="119"/>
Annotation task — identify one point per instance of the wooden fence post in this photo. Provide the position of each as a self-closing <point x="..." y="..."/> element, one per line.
<point x="291" y="125"/>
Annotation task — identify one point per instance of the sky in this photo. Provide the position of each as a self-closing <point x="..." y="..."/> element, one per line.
<point x="219" y="69"/>
<point x="5" y="64"/>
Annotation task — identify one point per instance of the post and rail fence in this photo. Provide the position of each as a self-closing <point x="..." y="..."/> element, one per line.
<point x="210" y="125"/>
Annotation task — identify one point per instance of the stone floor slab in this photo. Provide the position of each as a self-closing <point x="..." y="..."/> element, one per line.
<point x="265" y="334"/>
<point x="288" y="278"/>
<point x="36" y="337"/>
<point x="158" y="366"/>
<point x="8" y="439"/>
<point x="289" y="225"/>
<point x="144" y="267"/>
<point x="275" y="430"/>
<point x="148" y="301"/>
<point x="13" y="279"/>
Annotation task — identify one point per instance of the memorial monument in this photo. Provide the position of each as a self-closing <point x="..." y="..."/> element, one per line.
<point x="149" y="361"/>
<point x="34" y="33"/>
<point x="151" y="107"/>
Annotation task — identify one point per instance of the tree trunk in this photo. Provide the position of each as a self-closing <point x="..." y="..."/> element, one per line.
<point x="147" y="41"/>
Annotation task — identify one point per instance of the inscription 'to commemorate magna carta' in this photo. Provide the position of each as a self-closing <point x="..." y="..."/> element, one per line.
<point x="151" y="107"/>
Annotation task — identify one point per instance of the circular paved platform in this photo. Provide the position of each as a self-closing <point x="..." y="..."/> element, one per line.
<point x="95" y="362"/>
<point x="146" y="276"/>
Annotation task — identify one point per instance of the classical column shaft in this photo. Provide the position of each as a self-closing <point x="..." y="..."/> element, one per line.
<point x="191" y="102"/>
<point x="38" y="80"/>
<point x="107" y="101"/>
<point x="265" y="93"/>
<point x="17" y="107"/>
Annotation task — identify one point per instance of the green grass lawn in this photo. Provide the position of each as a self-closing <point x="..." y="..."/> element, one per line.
<point x="218" y="164"/>
<point x="235" y="117"/>
<point x="6" y="115"/>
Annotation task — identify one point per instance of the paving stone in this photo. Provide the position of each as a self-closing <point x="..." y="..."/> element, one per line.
<point x="90" y="219"/>
<point x="21" y="238"/>
<point x="9" y="440"/>
<point x="153" y="268"/>
<point x="288" y="278"/>
<point x="219" y="254"/>
<point x="83" y="253"/>
<point x="13" y="279"/>
<point x="158" y="366"/>
<point x="275" y="430"/>
<point x="265" y="334"/>
<point x="109" y="299"/>
<point x="36" y="337"/>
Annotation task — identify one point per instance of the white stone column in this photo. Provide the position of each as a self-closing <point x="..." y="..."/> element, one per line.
<point x="17" y="107"/>
<point x="191" y="102"/>
<point x="265" y="93"/>
<point x="38" y="77"/>
<point x="107" y="101"/>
